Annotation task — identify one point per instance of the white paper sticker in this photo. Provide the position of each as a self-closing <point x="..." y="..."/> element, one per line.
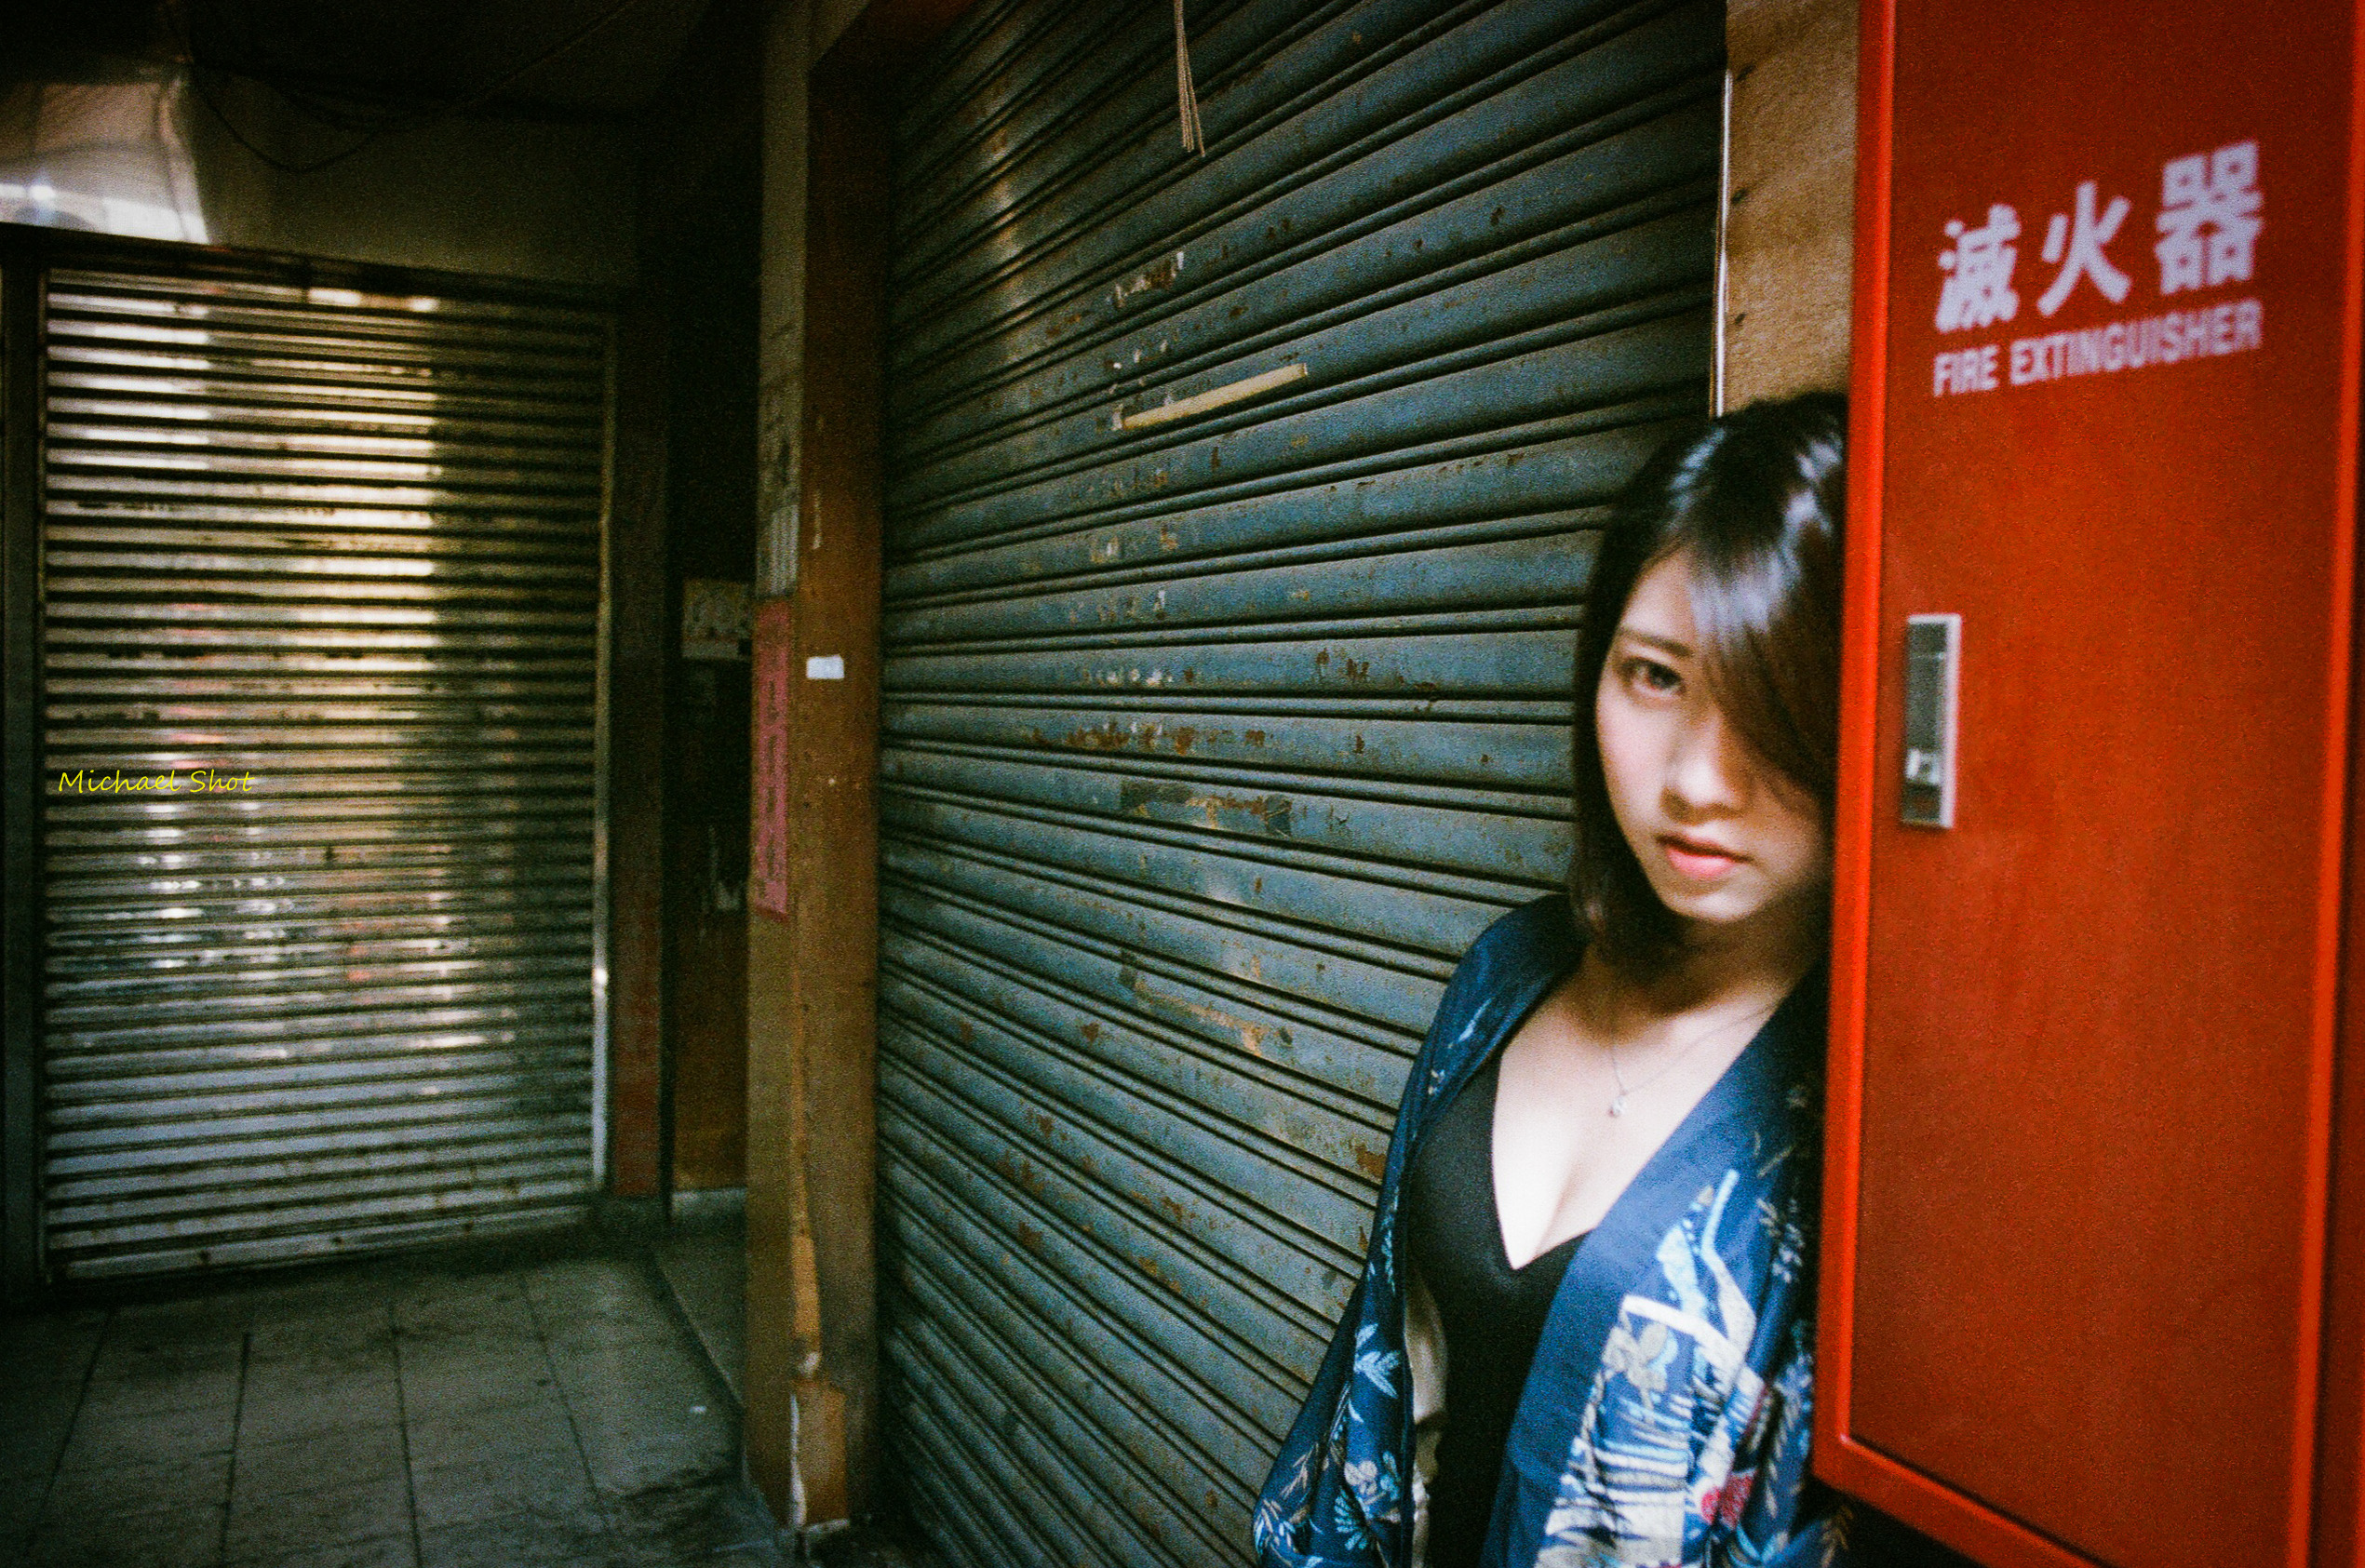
<point x="826" y="667"/>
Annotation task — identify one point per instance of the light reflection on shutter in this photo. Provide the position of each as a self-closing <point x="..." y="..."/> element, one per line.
<point x="347" y="547"/>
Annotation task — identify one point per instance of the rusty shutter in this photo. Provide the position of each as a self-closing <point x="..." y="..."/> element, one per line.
<point x="1238" y="511"/>
<point x="339" y="554"/>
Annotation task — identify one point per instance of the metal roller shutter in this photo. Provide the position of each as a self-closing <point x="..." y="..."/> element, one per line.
<point x="347" y="547"/>
<point x="1238" y="509"/>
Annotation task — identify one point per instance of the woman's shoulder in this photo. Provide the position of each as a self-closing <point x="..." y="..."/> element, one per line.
<point x="1519" y="952"/>
<point x="1539" y="937"/>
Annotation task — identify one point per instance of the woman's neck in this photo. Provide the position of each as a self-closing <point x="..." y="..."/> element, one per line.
<point x="1746" y="965"/>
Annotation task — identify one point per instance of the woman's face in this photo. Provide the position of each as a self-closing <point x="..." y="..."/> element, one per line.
<point x="1721" y="834"/>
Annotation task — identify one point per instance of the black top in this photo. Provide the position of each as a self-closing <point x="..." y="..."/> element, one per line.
<point x="1493" y="1313"/>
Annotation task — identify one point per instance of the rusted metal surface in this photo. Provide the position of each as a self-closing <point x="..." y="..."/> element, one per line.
<point x="327" y="564"/>
<point x="1210" y="742"/>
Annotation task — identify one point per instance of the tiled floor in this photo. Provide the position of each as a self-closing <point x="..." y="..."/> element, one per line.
<point x="706" y="1265"/>
<point x="703" y="1259"/>
<point x="399" y="1415"/>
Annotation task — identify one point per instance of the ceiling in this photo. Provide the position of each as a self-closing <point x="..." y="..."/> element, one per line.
<point x="364" y="59"/>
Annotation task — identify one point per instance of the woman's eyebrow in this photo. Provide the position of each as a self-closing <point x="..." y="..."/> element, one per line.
<point x="1665" y="645"/>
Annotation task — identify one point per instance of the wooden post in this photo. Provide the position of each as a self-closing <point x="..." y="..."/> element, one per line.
<point x="811" y="1405"/>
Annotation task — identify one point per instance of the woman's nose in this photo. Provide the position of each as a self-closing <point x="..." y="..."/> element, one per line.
<point x="1704" y="771"/>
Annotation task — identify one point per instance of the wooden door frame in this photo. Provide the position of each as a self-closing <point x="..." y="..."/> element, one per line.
<point x="812" y="1405"/>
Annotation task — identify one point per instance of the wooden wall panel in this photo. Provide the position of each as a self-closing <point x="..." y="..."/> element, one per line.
<point x="1790" y="188"/>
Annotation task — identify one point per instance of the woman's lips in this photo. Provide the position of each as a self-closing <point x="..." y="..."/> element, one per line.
<point x="1700" y="863"/>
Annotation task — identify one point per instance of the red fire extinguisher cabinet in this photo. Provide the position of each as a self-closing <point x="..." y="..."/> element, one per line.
<point x="2092" y="1261"/>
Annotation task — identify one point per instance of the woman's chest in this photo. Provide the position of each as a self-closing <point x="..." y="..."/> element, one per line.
<point x="1576" y="1119"/>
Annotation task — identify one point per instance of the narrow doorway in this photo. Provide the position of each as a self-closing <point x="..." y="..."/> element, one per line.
<point x="708" y="277"/>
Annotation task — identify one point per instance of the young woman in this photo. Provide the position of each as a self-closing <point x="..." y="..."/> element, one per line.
<point x="1584" y="1333"/>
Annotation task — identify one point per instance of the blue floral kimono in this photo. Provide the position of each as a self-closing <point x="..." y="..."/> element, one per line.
<point x="1666" y="1416"/>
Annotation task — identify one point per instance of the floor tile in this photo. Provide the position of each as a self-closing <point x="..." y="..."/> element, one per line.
<point x="363" y="1373"/>
<point x="351" y="1456"/>
<point x="631" y="1403"/>
<point x="188" y="1538"/>
<point x="26" y="1387"/>
<point x="109" y="1442"/>
<point x="135" y="1346"/>
<point x="661" y="1372"/>
<point x="49" y="1348"/>
<point x="179" y="1484"/>
<point x="691" y="1522"/>
<point x="159" y="1392"/>
<point x="126" y="1357"/>
<point x="459" y="1386"/>
<point x="627" y="1458"/>
<point x="168" y="1311"/>
<point x="544" y="1481"/>
<point x="20" y="1503"/>
<point x="868" y="1546"/>
<point x="193" y="1317"/>
<point x="327" y="1350"/>
<point x="386" y="1551"/>
<point x="707" y="1273"/>
<point x="526" y="1540"/>
<point x="342" y="1342"/>
<point x="627" y="1299"/>
<point x="283" y="1413"/>
<point x="512" y="1335"/>
<point x="508" y="1308"/>
<point x="430" y="1293"/>
<point x="757" y="1556"/>
<point x="34" y="1436"/>
<point x="625" y="1468"/>
<point x="331" y="1517"/>
<point x="466" y="1353"/>
<point x="54" y="1398"/>
<point x="622" y="1334"/>
<point x="49" y="1331"/>
<point x="581" y="1278"/>
<point x="484" y="1306"/>
<point x="482" y="1434"/>
<point x="543" y="1417"/>
<point x="350" y="1290"/>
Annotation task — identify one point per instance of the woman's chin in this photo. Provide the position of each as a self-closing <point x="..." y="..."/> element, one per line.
<point x="1749" y="911"/>
<point x="1719" y="905"/>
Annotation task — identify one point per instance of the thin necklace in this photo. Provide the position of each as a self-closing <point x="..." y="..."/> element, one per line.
<point x="1625" y="1090"/>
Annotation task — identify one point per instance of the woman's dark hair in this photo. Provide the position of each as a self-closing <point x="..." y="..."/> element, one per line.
<point x="1756" y="498"/>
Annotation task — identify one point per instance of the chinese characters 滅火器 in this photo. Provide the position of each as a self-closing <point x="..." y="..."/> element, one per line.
<point x="2209" y="222"/>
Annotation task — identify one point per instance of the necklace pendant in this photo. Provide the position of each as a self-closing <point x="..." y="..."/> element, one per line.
<point x="1617" y="1106"/>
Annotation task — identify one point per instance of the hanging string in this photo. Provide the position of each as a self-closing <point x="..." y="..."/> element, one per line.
<point x="1194" y="138"/>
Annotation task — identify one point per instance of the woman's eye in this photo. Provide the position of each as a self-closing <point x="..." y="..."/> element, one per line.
<point x="1652" y="675"/>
